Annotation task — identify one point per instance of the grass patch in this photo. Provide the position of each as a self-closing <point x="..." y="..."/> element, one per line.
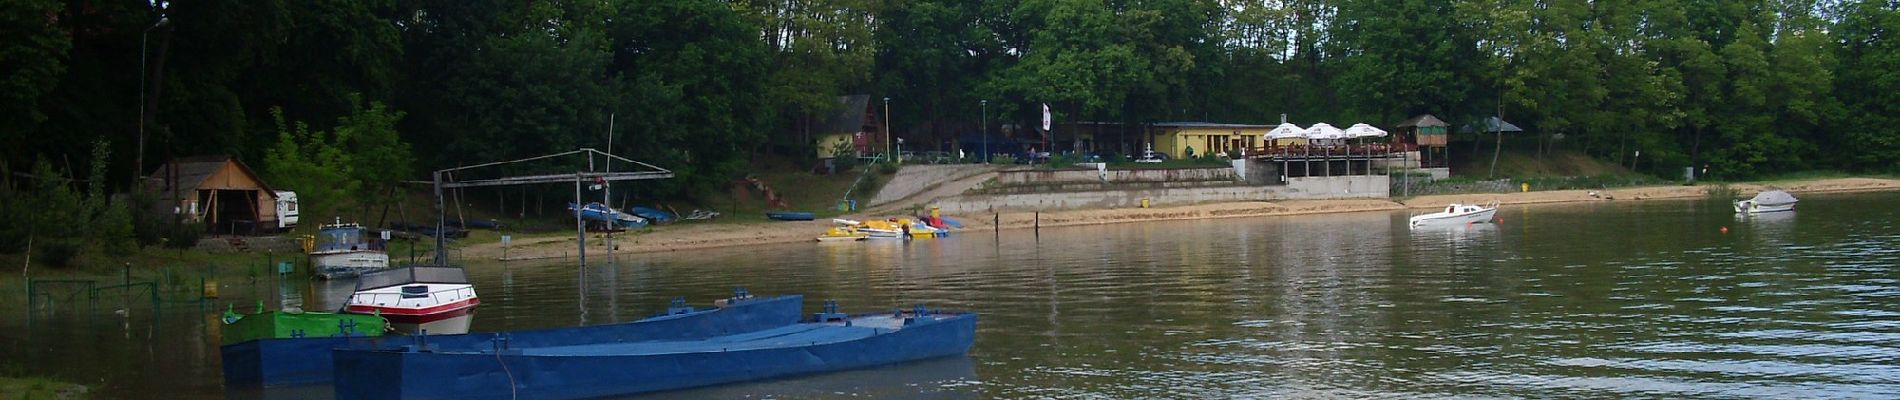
<point x="800" y="189"/>
<point x="1806" y="176"/>
<point x="1529" y="165"/>
<point x="38" y="388"/>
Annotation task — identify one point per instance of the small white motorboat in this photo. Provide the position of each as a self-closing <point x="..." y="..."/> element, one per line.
<point x="1458" y="214"/>
<point x="415" y="295"/>
<point x="1766" y="202"/>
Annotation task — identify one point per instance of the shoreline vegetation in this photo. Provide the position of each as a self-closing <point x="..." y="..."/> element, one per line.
<point x="41" y="388"/>
<point x="706" y="236"/>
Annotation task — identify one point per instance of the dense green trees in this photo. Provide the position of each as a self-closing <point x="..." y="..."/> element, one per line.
<point x="700" y="86"/>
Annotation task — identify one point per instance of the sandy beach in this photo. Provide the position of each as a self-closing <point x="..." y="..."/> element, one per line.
<point x="702" y="236"/>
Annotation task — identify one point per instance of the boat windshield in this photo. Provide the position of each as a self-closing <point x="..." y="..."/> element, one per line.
<point x="339" y="237"/>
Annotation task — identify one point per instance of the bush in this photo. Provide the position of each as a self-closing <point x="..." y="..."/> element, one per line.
<point x="844" y="156"/>
<point x="887" y="168"/>
<point x="115" y="231"/>
<point x="1060" y="161"/>
<point x="149" y="227"/>
<point x="184" y="235"/>
<point x="12" y="236"/>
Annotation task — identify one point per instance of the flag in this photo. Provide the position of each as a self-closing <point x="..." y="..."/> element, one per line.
<point x="1045" y="117"/>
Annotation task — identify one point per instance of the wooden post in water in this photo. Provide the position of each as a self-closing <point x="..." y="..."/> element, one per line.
<point x="580" y="226"/>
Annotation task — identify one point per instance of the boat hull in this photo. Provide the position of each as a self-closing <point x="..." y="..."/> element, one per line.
<point x="1750" y="207"/>
<point x="419" y="315"/>
<point x="598" y="371"/>
<point x="1455" y="219"/>
<point x="307" y="361"/>
<point x="836" y="239"/>
<point x="345" y="264"/>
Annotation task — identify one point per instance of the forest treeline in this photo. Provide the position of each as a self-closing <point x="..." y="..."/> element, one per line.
<point x="1745" y="87"/>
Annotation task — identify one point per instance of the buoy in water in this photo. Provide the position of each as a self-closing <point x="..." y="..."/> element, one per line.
<point x="1724" y="229"/>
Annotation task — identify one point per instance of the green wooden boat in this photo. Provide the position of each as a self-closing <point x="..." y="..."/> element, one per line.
<point x="240" y="328"/>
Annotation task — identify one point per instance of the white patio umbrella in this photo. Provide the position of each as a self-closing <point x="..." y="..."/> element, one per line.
<point x="1286" y="131"/>
<point x="1324" y="131"/>
<point x="1363" y="130"/>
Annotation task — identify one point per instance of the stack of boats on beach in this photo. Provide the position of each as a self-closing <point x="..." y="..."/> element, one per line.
<point x="741" y="338"/>
<point x="846" y="230"/>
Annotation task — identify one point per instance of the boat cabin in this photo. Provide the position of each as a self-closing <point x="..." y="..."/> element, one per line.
<point x="342" y="237"/>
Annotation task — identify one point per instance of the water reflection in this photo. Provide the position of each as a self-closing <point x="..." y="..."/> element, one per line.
<point x="944" y="378"/>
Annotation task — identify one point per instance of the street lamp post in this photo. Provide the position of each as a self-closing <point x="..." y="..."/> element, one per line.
<point x="887" y="129"/>
<point x="139" y="163"/>
<point x="986" y="130"/>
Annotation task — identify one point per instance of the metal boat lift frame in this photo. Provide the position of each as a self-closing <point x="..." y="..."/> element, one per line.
<point x="441" y="210"/>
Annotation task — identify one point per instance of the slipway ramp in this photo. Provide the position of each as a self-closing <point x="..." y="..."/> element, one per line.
<point x="916" y="184"/>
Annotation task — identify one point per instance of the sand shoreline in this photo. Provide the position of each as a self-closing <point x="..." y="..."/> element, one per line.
<point x="704" y="236"/>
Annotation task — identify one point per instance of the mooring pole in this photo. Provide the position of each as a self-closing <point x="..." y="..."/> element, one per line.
<point x="606" y="186"/>
<point x="441" y="244"/>
<point x="580" y="226"/>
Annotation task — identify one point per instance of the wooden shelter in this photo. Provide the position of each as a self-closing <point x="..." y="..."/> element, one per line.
<point x="218" y="190"/>
<point x="1430" y="137"/>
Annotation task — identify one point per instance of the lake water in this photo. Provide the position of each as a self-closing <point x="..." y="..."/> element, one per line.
<point x="1612" y="299"/>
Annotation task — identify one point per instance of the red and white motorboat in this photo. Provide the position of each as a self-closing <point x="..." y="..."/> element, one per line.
<point x="414" y="295"/>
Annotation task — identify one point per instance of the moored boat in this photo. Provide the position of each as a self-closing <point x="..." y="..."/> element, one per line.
<point x="614" y="218"/>
<point x="308" y="360"/>
<point x="238" y="328"/>
<point x="505" y="368"/>
<point x="414" y="295"/>
<point x="1767" y="202"/>
<point x="342" y="250"/>
<point x="790" y="215"/>
<point x="838" y="234"/>
<point x="653" y="215"/>
<point x="1457" y="214"/>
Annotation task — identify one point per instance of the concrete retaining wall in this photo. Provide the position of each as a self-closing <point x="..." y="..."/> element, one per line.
<point x="1342" y="187"/>
<point x="1091" y="175"/>
<point x="1298" y="188"/>
<point x="914" y="179"/>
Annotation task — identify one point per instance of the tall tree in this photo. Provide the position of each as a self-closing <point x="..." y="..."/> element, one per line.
<point x="1869" y="84"/>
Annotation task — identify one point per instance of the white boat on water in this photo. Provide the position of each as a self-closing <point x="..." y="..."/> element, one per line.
<point x="415" y="296"/>
<point x="1766" y="202"/>
<point x="343" y="250"/>
<point x="1458" y="214"/>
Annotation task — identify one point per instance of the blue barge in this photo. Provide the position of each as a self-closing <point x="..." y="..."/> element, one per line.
<point x="307" y="360"/>
<point x="506" y="368"/>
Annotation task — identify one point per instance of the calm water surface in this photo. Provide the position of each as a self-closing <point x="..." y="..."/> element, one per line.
<point x="1610" y="299"/>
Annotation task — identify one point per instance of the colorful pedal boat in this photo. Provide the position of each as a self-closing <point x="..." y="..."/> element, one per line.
<point x="506" y="368"/>
<point x="307" y="360"/>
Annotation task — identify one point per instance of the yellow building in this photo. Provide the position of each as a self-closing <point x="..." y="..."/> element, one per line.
<point x="1177" y="138"/>
<point x="828" y="142"/>
<point x="856" y="125"/>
